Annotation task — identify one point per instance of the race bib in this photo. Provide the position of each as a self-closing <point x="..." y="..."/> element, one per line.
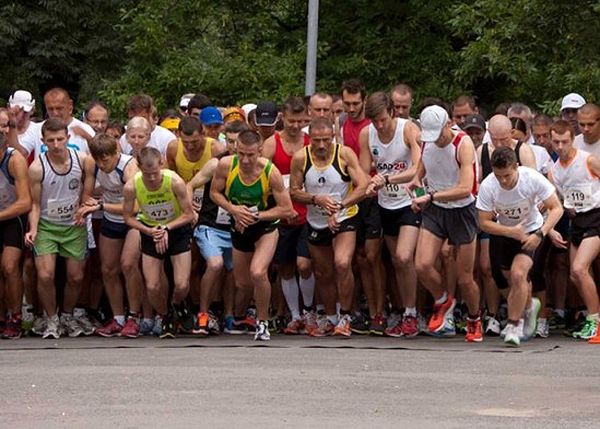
<point x="160" y="212"/>
<point x="61" y="210"/>
<point x="513" y="214"/>
<point x="197" y="196"/>
<point x="578" y="197"/>
<point x="393" y="191"/>
<point x="223" y="217"/>
<point x="286" y="181"/>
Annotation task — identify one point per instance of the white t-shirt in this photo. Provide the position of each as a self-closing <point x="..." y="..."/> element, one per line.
<point x="543" y="161"/>
<point x="32" y="141"/>
<point x="593" y="148"/>
<point x="159" y="139"/>
<point x="518" y="204"/>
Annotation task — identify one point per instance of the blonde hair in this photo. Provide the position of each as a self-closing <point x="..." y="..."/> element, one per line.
<point x="138" y="122"/>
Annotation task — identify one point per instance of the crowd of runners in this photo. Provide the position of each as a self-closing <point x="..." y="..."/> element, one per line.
<point x="328" y="215"/>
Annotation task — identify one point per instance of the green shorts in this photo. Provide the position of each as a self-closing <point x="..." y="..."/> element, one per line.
<point x="67" y="241"/>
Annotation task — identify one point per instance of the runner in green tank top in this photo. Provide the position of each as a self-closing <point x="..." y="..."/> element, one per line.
<point x="251" y="189"/>
<point x="164" y="221"/>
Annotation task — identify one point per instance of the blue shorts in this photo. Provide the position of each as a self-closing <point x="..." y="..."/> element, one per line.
<point x="215" y="242"/>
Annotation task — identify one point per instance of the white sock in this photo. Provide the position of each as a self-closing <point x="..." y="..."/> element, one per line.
<point x="410" y="311"/>
<point x="320" y="307"/>
<point x="307" y="287"/>
<point x="120" y="319"/>
<point x="338" y="307"/>
<point x="443" y="299"/>
<point x="290" y="291"/>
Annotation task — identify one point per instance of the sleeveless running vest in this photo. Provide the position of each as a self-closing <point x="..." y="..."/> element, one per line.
<point x="112" y="185"/>
<point x="576" y="183"/>
<point x="211" y="214"/>
<point x="391" y="158"/>
<point x="160" y="206"/>
<point x="187" y="169"/>
<point x="328" y="180"/>
<point x="8" y="194"/>
<point x="255" y="194"/>
<point x="283" y="161"/>
<point x="61" y="193"/>
<point x="443" y="170"/>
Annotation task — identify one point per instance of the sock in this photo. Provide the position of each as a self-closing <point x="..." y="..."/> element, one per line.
<point x="120" y="319"/>
<point x="473" y="318"/>
<point x="338" y="307"/>
<point x="134" y="316"/>
<point x="443" y="299"/>
<point x="410" y="311"/>
<point x="307" y="287"/>
<point x="320" y="308"/>
<point x="333" y="319"/>
<point x="560" y="312"/>
<point x="290" y="291"/>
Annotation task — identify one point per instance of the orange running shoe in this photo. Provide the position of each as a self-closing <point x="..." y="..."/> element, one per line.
<point x="595" y="339"/>
<point x="324" y="328"/>
<point x="474" y="331"/>
<point x="295" y="327"/>
<point x="201" y="325"/>
<point x="440" y="313"/>
<point x="343" y="326"/>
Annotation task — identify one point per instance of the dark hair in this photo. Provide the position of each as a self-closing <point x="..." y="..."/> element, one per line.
<point x="504" y="157"/>
<point x="294" y="105"/>
<point x="117" y="125"/>
<point x="354" y="86"/>
<point x="3" y="140"/>
<point x="148" y="154"/>
<point x="53" y="125"/>
<point x="560" y="126"/>
<point x="320" y="123"/>
<point x="189" y="125"/>
<point x="433" y="101"/>
<point x="377" y="103"/>
<point x="169" y="113"/>
<point x="93" y="104"/>
<point x="57" y="90"/>
<point x="402" y="88"/>
<point x="461" y="100"/>
<point x="335" y="97"/>
<point x="198" y="101"/>
<point x="502" y="108"/>
<point x="140" y="103"/>
<point x="541" y="119"/>
<point x="235" y="127"/>
<point x="519" y="124"/>
<point x="103" y="145"/>
<point x="249" y="138"/>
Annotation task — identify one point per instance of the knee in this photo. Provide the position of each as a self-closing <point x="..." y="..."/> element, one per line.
<point x="342" y="265"/>
<point x="578" y="272"/>
<point x="77" y="277"/>
<point x="11" y="268"/>
<point x="373" y="257"/>
<point x="214" y="265"/>
<point x="518" y="278"/>
<point x="129" y="264"/>
<point x="447" y="252"/>
<point x="423" y="268"/>
<point x="304" y="268"/>
<point x="403" y="260"/>
<point x="258" y="275"/>
<point x="111" y="271"/>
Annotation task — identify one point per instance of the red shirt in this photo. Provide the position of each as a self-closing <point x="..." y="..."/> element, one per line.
<point x="283" y="162"/>
<point x="351" y="131"/>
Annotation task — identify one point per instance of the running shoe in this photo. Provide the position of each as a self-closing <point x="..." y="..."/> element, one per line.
<point x="310" y="321"/>
<point x="52" y="328"/>
<point x="343" y="326"/>
<point x="422" y="323"/>
<point x="70" y="326"/>
<point x="168" y="327"/>
<point x="460" y="317"/>
<point x="201" y="325"/>
<point x="80" y="317"/>
<point x="409" y="326"/>
<point x="146" y="326"/>
<point x="157" y="328"/>
<point x="250" y="321"/>
<point x="111" y="329"/>
<point x="39" y="325"/>
<point x="394" y="331"/>
<point x="228" y="324"/>
<point x="394" y="320"/>
<point x="441" y="314"/>
<point x="295" y="327"/>
<point x="237" y="328"/>
<point x="13" y="331"/>
<point x="589" y="329"/>
<point x="543" y="328"/>
<point x="213" y="324"/>
<point x="557" y="322"/>
<point x="359" y="325"/>
<point x="262" y="332"/>
<point x="131" y="329"/>
<point x="474" y="331"/>
<point x="512" y="335"/>
<point x="27" y="318"/>
<point x="183" y="317"/>
<point x="324" y="328"/>
<point x="596" y="338"/>
<point x="378" y="325"/>
<point x="531" y="316"/>
<point x="448" y="329"/>
<point x="492" y="326"/>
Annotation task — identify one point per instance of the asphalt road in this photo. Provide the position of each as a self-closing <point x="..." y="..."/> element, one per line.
<point x="298" y="382"/>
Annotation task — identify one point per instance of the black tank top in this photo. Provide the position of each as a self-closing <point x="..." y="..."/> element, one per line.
<point x="209" y="211"/>
<point x="486" y="162"/>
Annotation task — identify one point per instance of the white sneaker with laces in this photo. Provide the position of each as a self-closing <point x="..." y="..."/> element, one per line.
<point x="511" y="335"/>
<point x="543" y="328"/>
<point x="80" y="317"/>
<point x="52" y="329"/>
<point x="492" y="326"/>
<point x="70" y="326"/>
<point x="262" y="332"/>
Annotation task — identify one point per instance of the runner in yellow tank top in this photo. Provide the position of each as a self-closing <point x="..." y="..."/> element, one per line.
<point x="241" y="186"/>
<point x="164" y="221"/>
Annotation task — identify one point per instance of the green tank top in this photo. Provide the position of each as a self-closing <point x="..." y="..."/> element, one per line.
<point x="157" y="207"/>
<point x="255" y="194"/>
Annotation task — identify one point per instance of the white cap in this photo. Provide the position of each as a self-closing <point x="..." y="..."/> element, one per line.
<point x="572" y="101"/>
<point x="247" y="108"/>
<point x="433" y="120"/>
<point x="185" y="100"/>
<point x="22" y="99"/>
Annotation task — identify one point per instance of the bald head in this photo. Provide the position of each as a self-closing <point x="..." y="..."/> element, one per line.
<point x="500" y="130"/>
<point x="590" y="109"/>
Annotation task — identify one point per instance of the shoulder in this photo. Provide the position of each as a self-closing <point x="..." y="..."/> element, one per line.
<point x="163" y="135"/>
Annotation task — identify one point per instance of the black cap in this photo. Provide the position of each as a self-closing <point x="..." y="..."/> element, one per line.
<point x="266" y="114"/>
<point x="474" y="121"/>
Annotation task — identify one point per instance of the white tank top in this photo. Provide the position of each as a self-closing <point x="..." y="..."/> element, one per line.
<point x="442" y="170"/>
<point x="391" y="158"/>
<point x="8" y="194"/>
<point x="60" y="192"/>
<point x="329" y="180"/>
<point x="579" y="188"/>
<point x="112" y="186"/>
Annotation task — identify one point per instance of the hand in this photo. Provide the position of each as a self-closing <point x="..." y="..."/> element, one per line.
<point x="82" y="213"/>
<point x="327" y="204"/>
<point x="541" y="207"/>
<point x="531" y="242"/>
<point x="557" y="239"/>
<point x="239" y="228"/>
<point x="571" y="213"/>
<point x="244" y="216"/>
<point x="293" y="217"/>
<point x="30" y="237"/>
<point x="196" y="205"/>
<point x="158" y="232"/>
<point x="420" y="202"/>
<point x="162" y="243"/>
<point x="81" y="133"/>
<point x="91" y="202"/>
<point x="377" y="182"/>
<point x="412" y="185"/>
<point x="333" y="223"/>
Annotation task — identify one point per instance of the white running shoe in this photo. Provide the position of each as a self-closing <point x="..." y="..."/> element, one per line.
<point x="70" y="326"/>
<point x="262" y="332"/>
<point x="80" y="316"/>
<point x="543" y="328"/>
<point x="531" y="316"/>
<point x="511" y="335"/>
<point x="52" y="329"/>
<point x="492" y="326"/>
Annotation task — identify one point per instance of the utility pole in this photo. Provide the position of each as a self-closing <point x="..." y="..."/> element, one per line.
<point x="311" y="47"/>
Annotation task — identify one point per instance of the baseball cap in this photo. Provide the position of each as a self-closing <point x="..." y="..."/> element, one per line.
<point x="474" y="121"/>
<point x="433" y="121"/>
<point x="234" y="114"/>
<point x="185" y="100"/>
<point x="170" y="123"/>
<point x="266" y="114"/>
<point x="572" y="101"/>
<point x="211" y="116"/>
<point x="23" y="99"/>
